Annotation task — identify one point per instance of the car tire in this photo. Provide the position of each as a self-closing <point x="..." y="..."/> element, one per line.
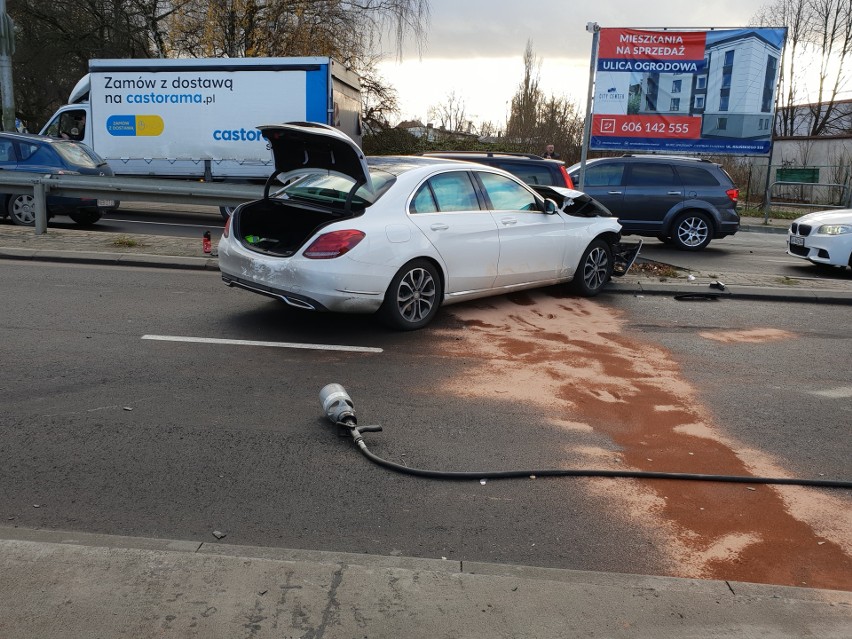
<point x="692" y="231"/>
<point x="413" y="297"/>
<point x="21" y="209"/>
<point x="85" y="218"/>
<point x="226" y="211"/>
<point x="594" y="269"/>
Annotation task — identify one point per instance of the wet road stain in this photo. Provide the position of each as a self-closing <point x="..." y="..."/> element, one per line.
<point x="572" y="356"/>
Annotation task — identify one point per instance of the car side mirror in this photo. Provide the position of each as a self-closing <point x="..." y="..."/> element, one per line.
<point x="550" y="207"/>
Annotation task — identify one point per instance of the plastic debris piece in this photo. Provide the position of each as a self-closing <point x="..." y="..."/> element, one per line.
<point x="717" y="285"/>
<point x="219" y="535"/>
<point x="36" y="505"/>
<point x="750" y="488"/>
<point x="532" y="476"/>
<point x="483" y="481"/>
<point x="690" y="278"/>
<point x="128" y="408"/>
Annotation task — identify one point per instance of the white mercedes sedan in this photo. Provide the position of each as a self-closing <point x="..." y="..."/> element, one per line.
<point x="401" y="236"/>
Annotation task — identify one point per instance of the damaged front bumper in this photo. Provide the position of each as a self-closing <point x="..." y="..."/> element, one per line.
<point x="623" y="256"/>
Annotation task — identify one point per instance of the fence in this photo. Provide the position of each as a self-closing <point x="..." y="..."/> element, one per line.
<point x="123" y="188"/>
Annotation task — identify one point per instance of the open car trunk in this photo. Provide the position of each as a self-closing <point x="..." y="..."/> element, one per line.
<point x="278" y="227"/>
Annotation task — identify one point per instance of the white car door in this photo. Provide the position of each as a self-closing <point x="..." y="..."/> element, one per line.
<point x="446" y="209"/>
<point x="532" y="243"/>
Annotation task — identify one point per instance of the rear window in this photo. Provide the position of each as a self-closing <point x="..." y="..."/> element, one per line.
<point x="528" y="173"/>
<point x="696" y="176"/>
<point x="652" y="175"/>
<point x="332" y="190"/>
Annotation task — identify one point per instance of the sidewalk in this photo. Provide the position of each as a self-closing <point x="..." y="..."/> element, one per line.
<point x="73" y="585"/>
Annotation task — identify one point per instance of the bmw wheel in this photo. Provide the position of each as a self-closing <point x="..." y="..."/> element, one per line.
<point x="594" y="269"/>
<point x="413" y="297"/>
<point x="692" y="231"/>
<point x="21" y="209"/>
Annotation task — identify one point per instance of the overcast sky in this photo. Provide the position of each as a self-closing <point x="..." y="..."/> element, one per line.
<point x="475" y="47"/>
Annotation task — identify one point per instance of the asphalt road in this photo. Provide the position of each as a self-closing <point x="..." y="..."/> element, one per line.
<point x="105" y="431"/>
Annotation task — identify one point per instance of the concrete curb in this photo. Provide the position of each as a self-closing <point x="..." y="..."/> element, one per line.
<point x="739" y="292"/>
<point x="121" y="259"/>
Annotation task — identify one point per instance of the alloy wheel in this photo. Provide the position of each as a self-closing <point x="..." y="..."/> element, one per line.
<point x="596" y="268"/>
<point x="416" y="295"/>
<point x="692" y="231"/>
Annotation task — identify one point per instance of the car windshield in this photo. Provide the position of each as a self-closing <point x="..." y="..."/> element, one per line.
<point x="334" y="189"/>
<point x="77" y="155"/>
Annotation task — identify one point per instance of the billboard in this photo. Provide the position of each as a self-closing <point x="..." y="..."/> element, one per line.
<point x="686" y="91"/>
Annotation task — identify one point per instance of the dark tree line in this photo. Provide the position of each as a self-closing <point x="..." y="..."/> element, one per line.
<point x="55" y="39"/>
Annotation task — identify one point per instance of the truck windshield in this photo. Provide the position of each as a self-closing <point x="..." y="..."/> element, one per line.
<point x="334" y="189"/>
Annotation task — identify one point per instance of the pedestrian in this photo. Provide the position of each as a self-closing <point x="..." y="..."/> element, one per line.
<point x="550" y="153"/>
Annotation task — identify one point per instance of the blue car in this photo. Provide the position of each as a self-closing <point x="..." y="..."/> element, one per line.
<point x="40" y="154"/>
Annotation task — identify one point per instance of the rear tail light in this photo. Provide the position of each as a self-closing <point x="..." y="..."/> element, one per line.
<point x="568" y="181"/>
<point x="733" y="194"/>
<point x="330" y="245"/>
<point x="226" y="231"/>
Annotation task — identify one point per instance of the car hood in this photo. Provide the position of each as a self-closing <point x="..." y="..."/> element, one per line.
<point x="303" y="148"/>
<point x="837" y="216"/>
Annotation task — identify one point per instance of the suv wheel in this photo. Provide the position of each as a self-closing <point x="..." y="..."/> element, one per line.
<point x="21" y="209"/>
<point x="594" y="269"/>
<point x="691" y="231"/>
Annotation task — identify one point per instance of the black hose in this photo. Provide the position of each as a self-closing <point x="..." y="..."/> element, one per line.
<point x="559" y="472"/>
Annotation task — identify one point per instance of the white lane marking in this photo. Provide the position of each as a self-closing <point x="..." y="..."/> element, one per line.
<point x="246" y="342"/>
<point x="835" y="393"/>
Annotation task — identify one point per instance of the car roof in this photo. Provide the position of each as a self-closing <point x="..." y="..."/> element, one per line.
<point x="29" y="137"/>
<point x="484" y="154"/>
<point x="397" y="164"/>
<point x="652" y="157"/>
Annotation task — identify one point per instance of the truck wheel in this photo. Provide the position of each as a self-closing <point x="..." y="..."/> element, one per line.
<point x="21" y="209"/>
<point x="413" y="297"/>
<point x="692" y="231"/>
<point x="85" y="218"/>
<point x="594" y="269"/>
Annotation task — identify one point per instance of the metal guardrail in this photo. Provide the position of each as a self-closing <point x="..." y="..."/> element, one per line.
<point x="123" y="188"/>
<point x="845" y="199"/>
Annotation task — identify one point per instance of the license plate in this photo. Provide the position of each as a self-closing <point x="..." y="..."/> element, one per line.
<point x="797" y="241"/>
<point x="106" y="202"/>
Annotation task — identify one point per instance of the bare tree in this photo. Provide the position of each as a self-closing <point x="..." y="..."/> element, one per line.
<point x="820" y="29"/>
<point x="451" y="114"/>
<point x="536" y="120"/>
<point x="523" y="114"/>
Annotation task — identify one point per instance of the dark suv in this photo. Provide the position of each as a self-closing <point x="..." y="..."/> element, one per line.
<point x="683" y="200"/>
<point x="532" y="169"/>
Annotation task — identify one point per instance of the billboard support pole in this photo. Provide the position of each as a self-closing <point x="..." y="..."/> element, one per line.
<point x="594" y="29"/>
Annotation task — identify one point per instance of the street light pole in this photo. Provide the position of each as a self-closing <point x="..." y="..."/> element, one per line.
<point x="7" y="48"/>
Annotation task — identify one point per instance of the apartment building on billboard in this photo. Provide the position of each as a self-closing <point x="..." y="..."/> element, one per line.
<point x="734" y="92"/>
<point x="741" y="75"/>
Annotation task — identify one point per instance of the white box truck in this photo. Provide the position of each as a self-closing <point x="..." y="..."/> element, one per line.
<point x="197" y="118"/>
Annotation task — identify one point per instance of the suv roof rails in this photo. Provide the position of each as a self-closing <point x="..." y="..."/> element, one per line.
<point x="662" y="156"/>
<point x="489" y="154"/>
